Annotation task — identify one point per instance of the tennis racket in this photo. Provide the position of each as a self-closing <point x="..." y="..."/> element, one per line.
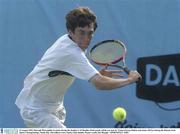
<point x="109" y="53"/>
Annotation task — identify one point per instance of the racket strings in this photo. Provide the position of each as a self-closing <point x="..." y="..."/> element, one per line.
<point x="107" y="52"/>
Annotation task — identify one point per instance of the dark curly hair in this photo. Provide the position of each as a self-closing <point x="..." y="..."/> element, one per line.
<point x="80" y="17"/>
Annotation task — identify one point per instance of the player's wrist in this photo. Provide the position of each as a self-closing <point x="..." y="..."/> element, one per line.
<point x="130" y="80"/>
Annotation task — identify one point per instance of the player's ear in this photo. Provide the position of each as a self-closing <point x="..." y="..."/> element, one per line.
<point x="70" y="33"/>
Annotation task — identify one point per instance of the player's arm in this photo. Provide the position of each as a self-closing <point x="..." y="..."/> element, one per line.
<point x="106" y="83"/>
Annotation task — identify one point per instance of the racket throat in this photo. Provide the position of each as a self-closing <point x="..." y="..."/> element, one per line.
<point x="122" y="67"/>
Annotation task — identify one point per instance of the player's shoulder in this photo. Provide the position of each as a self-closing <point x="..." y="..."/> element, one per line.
<point x="66" y="44"/>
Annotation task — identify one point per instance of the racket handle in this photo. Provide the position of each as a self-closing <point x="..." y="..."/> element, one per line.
<point x="126" y="70"/>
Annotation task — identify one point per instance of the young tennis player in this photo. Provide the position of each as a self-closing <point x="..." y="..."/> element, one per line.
<point x="41" y="100"/>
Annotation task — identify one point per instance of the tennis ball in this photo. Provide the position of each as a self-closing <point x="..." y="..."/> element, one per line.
<point x="119" y="114"/>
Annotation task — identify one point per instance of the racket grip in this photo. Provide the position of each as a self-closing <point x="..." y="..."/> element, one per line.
<point x="126" y="70"/>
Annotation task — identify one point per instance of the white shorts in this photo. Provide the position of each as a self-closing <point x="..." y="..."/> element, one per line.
<point x="43" y="118"/>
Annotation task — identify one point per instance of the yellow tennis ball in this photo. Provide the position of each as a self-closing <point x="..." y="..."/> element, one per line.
<point x="119" y="114"/>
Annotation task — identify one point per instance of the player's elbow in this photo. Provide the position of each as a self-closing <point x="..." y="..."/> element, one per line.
<point x="99" y="82"/>
<point x="103" y="86"/>
<point x="100" y="87"/>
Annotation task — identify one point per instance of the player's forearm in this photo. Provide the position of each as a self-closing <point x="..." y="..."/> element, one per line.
<point x="106" y="83"/>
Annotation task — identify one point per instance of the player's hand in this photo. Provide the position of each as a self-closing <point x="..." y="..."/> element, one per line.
<point x="135" y="76"/>
<point x="111" y="73"/>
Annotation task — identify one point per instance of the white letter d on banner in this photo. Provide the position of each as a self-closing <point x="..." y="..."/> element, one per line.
<point x="149" y="69"/>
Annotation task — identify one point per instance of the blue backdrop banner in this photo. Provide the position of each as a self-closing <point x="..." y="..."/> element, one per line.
<point x="150" y="30"/>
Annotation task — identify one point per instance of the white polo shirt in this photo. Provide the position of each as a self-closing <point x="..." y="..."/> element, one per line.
<point x="43" y="92"/>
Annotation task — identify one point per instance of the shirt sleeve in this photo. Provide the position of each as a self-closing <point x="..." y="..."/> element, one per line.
<point x="79" y="66"/>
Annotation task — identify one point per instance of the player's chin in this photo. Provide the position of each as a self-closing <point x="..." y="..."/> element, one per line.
<point x="85" y="46"/>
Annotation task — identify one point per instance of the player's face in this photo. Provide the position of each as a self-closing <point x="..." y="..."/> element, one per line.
<point x="82" y="36"/>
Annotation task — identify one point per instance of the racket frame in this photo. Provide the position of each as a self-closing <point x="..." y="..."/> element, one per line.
<point x="112" y="63"/>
